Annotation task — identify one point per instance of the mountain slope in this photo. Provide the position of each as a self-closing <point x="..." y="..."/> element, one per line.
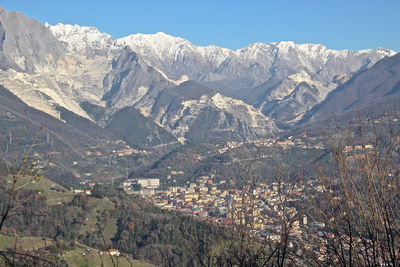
<point x="262" y="75"/>
<point x="266" y="76"/>
<point x="42" y="71"/>
<point x="193" y="111"/>
<point x="131" y="126"/>
<point x="256" y="63"/>
<point x="74" y="132"/>
<point x="73" y="148"/>
<point x="25" y="43"/>
<point x="132" y="81"/>
<point x="250" y="90"/>
<point x="377" y="88"/>
<point x="57" y="144"/>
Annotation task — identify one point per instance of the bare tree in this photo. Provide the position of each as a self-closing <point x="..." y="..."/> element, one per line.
<point x="245" y="238"/>
<point x="359" y="206"/>
<point x="17" y="165"/>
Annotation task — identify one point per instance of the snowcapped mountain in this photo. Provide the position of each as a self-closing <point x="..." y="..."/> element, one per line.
<point x="233" y="94"/>
<point x="263" y="75"/>
<point x="248" y="67"/>
<point x="254" y="64"/>
<point x="85" y="40"/>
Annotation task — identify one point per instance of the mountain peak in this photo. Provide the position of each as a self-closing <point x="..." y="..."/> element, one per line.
<point x="156" y="41"/>
<point x="25" y="42"/>
<point x="81" y="38"/>
<point x="71" y="28"/>
<point x="163" y="34"/>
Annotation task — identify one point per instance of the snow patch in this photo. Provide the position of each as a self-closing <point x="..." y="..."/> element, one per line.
<point x="81" y="38"/>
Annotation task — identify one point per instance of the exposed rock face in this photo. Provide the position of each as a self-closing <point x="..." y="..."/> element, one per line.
<point x="377" y="89"/>
<point x="25" y="43"/>
<point x="263" y="75"/>
<point x="132" y="81"/>
<point x="45" y="72"/>
<point x="253" y="65"/>
<point x="192" y="110"/>
<point x="88" y="41"/>
<point x="251" y="91"/>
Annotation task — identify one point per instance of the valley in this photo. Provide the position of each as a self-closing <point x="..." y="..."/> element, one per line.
<point x="150" y="150"/>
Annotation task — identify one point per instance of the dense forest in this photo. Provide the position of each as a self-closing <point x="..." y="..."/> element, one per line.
<point x="128" y="223"/>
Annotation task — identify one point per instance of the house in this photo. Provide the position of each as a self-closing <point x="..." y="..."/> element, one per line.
<point x="78" y="191"/>
<point x="113" y="252"/>
<point x="369" y="147"/>
<point x="191" y="196"/>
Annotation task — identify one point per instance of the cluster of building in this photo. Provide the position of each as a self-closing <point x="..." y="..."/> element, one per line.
<point x="125" y="150"/>
<point x="204" y="198"/>
<point x="260" y="208"/>
<point x="284" y="143"/>
<point x="349" y="148"/>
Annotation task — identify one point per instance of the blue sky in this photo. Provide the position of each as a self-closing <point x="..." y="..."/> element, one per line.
<point x="338" y="24"/>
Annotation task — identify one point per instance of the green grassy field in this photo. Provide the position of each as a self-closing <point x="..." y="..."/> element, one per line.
<point x="89" y="257"/>
<point x="55" y="193"/>
<point x="80" y="256"/>
<point x="26" y="243"/>
<point x="5" y="241"/>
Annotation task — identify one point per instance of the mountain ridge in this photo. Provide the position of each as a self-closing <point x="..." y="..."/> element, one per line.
<point x="364" y="91"/>
<point x="262" y="75"/>
<point x="256" y="90"/>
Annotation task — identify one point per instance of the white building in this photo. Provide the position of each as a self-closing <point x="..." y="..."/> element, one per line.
<point x="148" y="183"/>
